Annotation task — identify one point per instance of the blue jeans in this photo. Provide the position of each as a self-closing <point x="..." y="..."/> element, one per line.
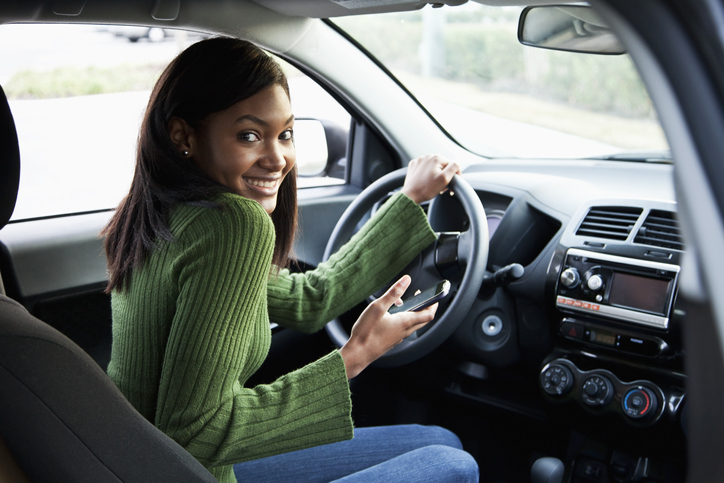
<point x="379" y="454"/>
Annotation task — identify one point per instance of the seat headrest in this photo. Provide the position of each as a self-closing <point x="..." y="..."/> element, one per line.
<point x="9" y="161"/>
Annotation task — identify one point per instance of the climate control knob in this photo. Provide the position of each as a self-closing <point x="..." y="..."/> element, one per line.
<point x="570" y="277"/>
<point x="597" y="391"/>
<point x="639" y="402"/>
<point x="556" y="380"/>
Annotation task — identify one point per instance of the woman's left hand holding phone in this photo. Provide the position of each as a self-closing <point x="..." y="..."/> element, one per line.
<point x="377" y="331"/>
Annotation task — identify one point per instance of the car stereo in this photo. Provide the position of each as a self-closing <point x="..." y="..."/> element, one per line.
<point x="622" y="288"/>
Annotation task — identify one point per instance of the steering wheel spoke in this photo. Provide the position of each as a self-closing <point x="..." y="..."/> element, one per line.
<point x="466" y="245"/>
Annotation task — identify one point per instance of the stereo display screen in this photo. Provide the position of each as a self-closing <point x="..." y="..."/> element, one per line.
<point x="641" y="293"/>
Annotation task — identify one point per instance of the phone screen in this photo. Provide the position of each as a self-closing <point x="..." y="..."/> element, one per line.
<point x="424" y="299"/>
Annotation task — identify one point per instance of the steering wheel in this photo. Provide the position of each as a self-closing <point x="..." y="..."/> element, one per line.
<point x="462" y="257"/>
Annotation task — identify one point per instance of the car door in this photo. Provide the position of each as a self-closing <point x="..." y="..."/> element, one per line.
<point x="678" y="48"/>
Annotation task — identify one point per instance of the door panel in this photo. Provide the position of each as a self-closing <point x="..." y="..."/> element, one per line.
<point x="54" y="256"/>
<point x="319" y="210"/>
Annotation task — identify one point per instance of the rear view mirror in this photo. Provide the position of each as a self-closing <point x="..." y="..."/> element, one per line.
<point x="571" y="28"/>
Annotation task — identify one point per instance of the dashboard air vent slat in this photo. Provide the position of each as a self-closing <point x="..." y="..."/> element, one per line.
<point x="613" y="222"/>
<point x="660" y="229"/>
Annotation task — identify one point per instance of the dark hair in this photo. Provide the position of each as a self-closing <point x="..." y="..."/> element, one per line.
<point x="208" y="77"/>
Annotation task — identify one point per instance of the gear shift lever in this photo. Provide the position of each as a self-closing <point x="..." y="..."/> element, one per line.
<point x="547" y="470"/>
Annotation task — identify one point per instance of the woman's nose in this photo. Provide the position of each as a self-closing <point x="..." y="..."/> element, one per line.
<point x="275" y="157"/>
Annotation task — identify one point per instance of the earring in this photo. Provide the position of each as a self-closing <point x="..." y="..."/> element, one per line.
<point x="185" y="153"/>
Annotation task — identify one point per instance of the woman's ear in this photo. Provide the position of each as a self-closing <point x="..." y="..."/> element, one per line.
<point x="180" y="133"/>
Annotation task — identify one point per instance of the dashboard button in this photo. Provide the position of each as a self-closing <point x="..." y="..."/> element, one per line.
<point x="556" y="380"/>
<point x="597" y="391"/>
<point x="595" y="282"/>
<point x="571" y="330"/>
<point x="570" y="278"/>
<point x="639" y="402"/>
<point x="642" y="346"/>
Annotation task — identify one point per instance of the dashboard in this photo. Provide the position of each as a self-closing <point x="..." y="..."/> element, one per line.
<point x="586" y="338"/>
<point x="594" y="318"/>
<point x="595" y="315"/>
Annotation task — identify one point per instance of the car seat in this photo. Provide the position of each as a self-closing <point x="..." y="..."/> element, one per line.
<point x="61" y="417"/>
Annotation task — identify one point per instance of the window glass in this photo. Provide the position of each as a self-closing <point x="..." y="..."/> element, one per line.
<point x="321" y="131"/>
<point x="78" y="94"/>
<point x="497" y="97"/>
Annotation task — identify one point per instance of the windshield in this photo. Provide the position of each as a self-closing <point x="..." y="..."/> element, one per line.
<point x="499" y="98"/>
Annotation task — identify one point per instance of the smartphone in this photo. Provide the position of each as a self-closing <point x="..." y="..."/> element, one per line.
<point x="424" y="299"/>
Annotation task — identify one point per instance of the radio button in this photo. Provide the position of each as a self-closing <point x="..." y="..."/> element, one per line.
<point x="595" y="282"/>
<point x="570" y="277"/>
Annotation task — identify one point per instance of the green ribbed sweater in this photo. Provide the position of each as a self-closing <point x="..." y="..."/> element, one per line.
<point x="194" y="326"/>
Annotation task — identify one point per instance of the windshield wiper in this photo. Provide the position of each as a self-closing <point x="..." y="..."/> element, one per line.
<point x="662" y="157"/>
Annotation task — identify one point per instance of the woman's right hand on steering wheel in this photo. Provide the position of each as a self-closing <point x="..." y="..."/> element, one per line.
<point x="377" y="331"/>
<point x="427" y="176"/>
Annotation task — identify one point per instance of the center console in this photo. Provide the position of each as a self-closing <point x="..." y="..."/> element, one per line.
<point x="617" y="364"/>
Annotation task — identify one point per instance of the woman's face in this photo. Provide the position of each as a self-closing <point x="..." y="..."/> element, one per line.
<point x="249" y="146"/>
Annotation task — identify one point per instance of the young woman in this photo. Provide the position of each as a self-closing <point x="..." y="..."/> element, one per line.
<point x="195" y="255"/>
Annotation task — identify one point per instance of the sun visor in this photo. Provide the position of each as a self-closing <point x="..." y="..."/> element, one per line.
<point x="341" y="8"/>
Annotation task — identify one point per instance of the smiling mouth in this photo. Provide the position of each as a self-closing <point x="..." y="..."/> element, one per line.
<point x="260" y="183"/>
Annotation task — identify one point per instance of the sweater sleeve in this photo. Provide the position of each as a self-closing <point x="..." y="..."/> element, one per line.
<point x="214" y="345"/>
<point x="390" y="240"/>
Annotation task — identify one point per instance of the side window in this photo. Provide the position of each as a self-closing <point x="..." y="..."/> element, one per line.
<point x="321" y="131"/>
<point x="78" y="94"/>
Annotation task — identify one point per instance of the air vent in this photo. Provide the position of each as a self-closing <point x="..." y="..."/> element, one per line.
<point x="660" y="229"/>
<point x="613" y="222"/>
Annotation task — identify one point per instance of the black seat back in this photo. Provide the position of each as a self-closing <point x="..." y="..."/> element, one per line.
<point x="9" y="161"/>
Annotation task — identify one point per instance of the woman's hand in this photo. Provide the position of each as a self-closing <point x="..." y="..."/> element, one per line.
<point x="427" y="176"/>
<point x="377" y="331"/>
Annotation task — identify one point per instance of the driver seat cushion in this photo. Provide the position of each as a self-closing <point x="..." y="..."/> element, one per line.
<point x="63" y="419"/>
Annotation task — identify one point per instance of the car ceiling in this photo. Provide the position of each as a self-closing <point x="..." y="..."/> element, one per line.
<point x="340" y="8"/>
<point x="239" y="18"/>
<point x="245" y="18"/>
<point x="274" y="24"/>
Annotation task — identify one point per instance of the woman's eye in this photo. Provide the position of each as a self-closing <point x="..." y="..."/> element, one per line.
<point x="287" y="135"/>
<point x="248" y="137"/>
